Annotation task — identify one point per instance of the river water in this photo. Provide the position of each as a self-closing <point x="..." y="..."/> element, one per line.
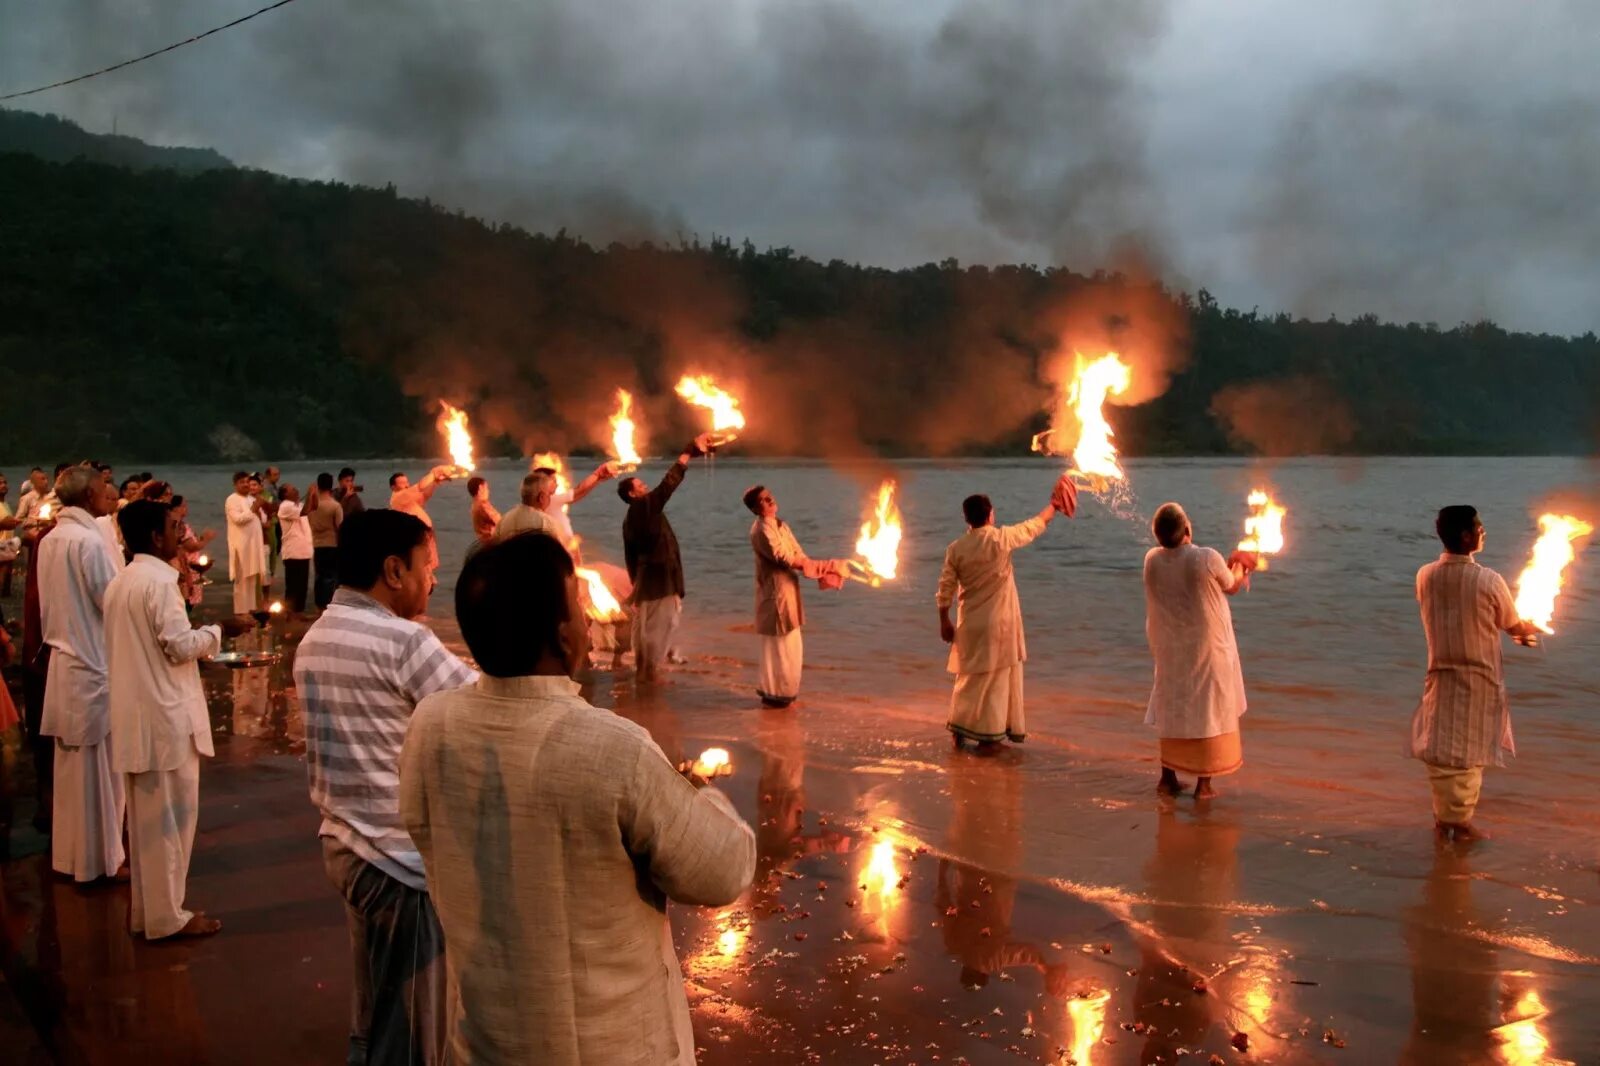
<point x="1319" y="852"/>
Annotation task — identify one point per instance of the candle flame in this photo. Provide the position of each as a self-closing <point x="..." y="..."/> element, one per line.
<point x="1263" y="526"/>
<point x="701" y="391"/>
<point x="712" y="762"/>
<point x="602" y="605"/>
<point x="453" y="424"/>
<point x="1093" y="455"/>
<point x="276" y="608"/>
<point x="202" y="559"/>
<point x="622" y="430"/>
<point x="44" y="512"/>
<point x="1541" y="580"/>
<point x="879" y="543"/>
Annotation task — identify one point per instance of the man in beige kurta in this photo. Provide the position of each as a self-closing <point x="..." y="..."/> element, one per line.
<point x="1464" y="720"/>
<point x="987" y="648"/>
<point x="553" y="834"/>
<point x="780" y="563"/>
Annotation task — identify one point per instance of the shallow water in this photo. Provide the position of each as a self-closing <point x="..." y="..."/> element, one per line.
<point x="1317" y="864"/>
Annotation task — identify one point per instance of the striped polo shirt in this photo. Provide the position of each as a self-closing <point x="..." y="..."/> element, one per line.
<point x="1464" y="719"/>
<point x="360" y="671"/>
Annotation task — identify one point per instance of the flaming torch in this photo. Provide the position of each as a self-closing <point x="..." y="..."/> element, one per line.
<point x="879" y="543"/>
<point x="701" y="391"/>
<point x="1541" y="580"/>
<point x="1094" y="457"/>
<point x="453" y="425"/>
<point x="602" y="606"/>
<point x="622" y="434"/>
<point x="1263" y="527"/>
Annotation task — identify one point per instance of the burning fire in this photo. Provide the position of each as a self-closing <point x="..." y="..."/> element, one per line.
<point x="453" y="424"/>
<point x="1094" y="456"/>
<point x="602" y="606"/>
<point x="276" y="608"/>
<point x="44" y="512"/>
<point x="1541" y="579"/>
<point x="202" y="560"/>
<point x="879" y="543"/>
<point x="882" y="877"/>
<point x="552" y="461"/>
<point x="1263" y="526"/>
<point x="713" y="762"/>
<point x="701" y="391"/>
<point x="622" y="431"/>
<point x="1088" y="1016"/>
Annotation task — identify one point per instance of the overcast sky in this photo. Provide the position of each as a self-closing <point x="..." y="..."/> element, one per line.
<point x="1421" y="160"/>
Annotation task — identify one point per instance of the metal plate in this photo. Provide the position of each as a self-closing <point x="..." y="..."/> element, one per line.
<point x="240" y="660"/>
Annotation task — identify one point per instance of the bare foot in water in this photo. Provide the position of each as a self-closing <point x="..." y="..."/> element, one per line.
<point x="198" y="926"/>
<point x="1203" y="789"/>
<point x="1168" y="785"/>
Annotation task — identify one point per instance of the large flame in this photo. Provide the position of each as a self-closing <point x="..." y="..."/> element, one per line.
<point x="879" y="543"/>
<point x="1263" y="526"/>
<point x="701" y="391"/>
<point x="1541" y="579"/>
<point x="622" y="430"/>
<point x="552" y="461"/>
<point x="1088" y="1014"/>
<point x="881" y="877"/>
<point x="1094" y="455"/>
<point x="1522" y="1042"/>
<point x="602" y="605"/>
<point x="453" y="424"/>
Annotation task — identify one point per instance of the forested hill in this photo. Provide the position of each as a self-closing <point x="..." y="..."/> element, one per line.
<point x="61" y="141"/>
<point x="234" y="314"/>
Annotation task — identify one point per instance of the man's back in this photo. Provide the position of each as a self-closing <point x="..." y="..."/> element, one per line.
<point x="524" y="518"/>
<point x="554" y="833"/>
<point x="1464" y="717"/>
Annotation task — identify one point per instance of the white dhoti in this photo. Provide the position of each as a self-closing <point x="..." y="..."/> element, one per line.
<point x="86" y="824"/>
<point x="655" y="623"/>
<point x="781" y="661"/>
<point x="988" y="706"/>
<point x="246" y="593"/>
<point x="163" y="808"/>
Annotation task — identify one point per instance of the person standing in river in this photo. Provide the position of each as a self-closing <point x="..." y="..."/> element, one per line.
<point x="1464" y="720"/>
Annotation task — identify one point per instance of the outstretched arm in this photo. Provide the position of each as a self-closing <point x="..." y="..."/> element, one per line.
<point x="604" y="472"/>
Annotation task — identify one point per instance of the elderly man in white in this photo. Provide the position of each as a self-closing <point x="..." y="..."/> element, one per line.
<point x="75" y="568"/>
<point x="159" y="727"/>
<point x="247" y="558"/>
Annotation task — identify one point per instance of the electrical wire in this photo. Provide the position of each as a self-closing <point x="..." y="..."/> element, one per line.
<point x="147" y="55"/>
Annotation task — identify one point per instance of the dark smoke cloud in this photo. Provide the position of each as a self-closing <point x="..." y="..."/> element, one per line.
<point x="1298" y="415"/>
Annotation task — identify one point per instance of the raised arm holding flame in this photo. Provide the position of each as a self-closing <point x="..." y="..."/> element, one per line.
<point x="1094" y="456"/>
<point x="453" y="426"/>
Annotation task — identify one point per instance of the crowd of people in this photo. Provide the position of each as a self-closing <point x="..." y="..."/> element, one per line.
<point x="520" y="916"/>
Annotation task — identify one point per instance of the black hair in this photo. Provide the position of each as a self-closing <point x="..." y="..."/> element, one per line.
<point x="511" y="601"/>
<point x="623" y="490"/>
<point x="396" y="476"/>
<point x="473" y="485"/>
<point x="145" y="475"/>
<point x="752" y="495"/>
<point x="1455" y="524"/>
<point x="59" y="467"/>
<point x="345" y="472"/>
<point x="1168" y="525"/>
<point x="177" y="501"/>
<point x="324" y="482"/>
<point x="977" y="509"/>
<point x="141" y="521"/>
<point x="369" y="537"/>
<point x="241" y="475"/>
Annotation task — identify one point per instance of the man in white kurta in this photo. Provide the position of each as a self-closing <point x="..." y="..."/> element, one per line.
<point x="1198" y="694"/>
<point x="1464" y="720"/>
<point x="159" y="725"/>
<point x="780" y="613"/>
<point x="75" y="568"/>
<point x="247" y="560"/>
<point x="987" y="648"/>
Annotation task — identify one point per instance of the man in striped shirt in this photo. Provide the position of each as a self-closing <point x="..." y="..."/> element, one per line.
<point x="360" y="671"/>
<point x="1464" y="721"/>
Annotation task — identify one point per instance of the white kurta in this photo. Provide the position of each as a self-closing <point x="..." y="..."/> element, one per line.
<point x="989" y="649"/>
<point x="246" y="558"/>
<point x="1199" y="684"/>
<point x="112" y="532"/>
<point x="75" y="569"/>
<point x="159" y="729"/>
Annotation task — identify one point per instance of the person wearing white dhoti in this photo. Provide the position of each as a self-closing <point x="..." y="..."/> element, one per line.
<point x="1463" y="722"/>
<point x="987" y="648"/>
<point x="159" y="725"/>
<point x="780" y="614"/>
<point x="1198" y="694"/>
<point x="75" y="568"/>
<point x="247" y="560"/>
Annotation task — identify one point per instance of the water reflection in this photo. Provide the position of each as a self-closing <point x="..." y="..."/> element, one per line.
<point x="1463" y="1007"/>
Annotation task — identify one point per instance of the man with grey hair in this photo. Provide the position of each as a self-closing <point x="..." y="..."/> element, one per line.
<point x="75" y="568"/>
<point x="529" y="516"/>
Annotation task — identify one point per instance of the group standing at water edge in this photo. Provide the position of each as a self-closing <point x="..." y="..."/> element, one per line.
<point x="403" y="737"/>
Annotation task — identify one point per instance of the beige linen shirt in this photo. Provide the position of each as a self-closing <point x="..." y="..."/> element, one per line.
<point x="977" y="568"/>
<point x="525" y="519"/>
<point x="780" y="563"/>
<point x="553" y="834"/>
<point x="1198" y="690"/>
<point x="157" y="707"/>
<point x="1464" y="719"/>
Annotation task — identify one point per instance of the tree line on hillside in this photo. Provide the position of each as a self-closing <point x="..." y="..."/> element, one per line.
<point x="231" y="314"/>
